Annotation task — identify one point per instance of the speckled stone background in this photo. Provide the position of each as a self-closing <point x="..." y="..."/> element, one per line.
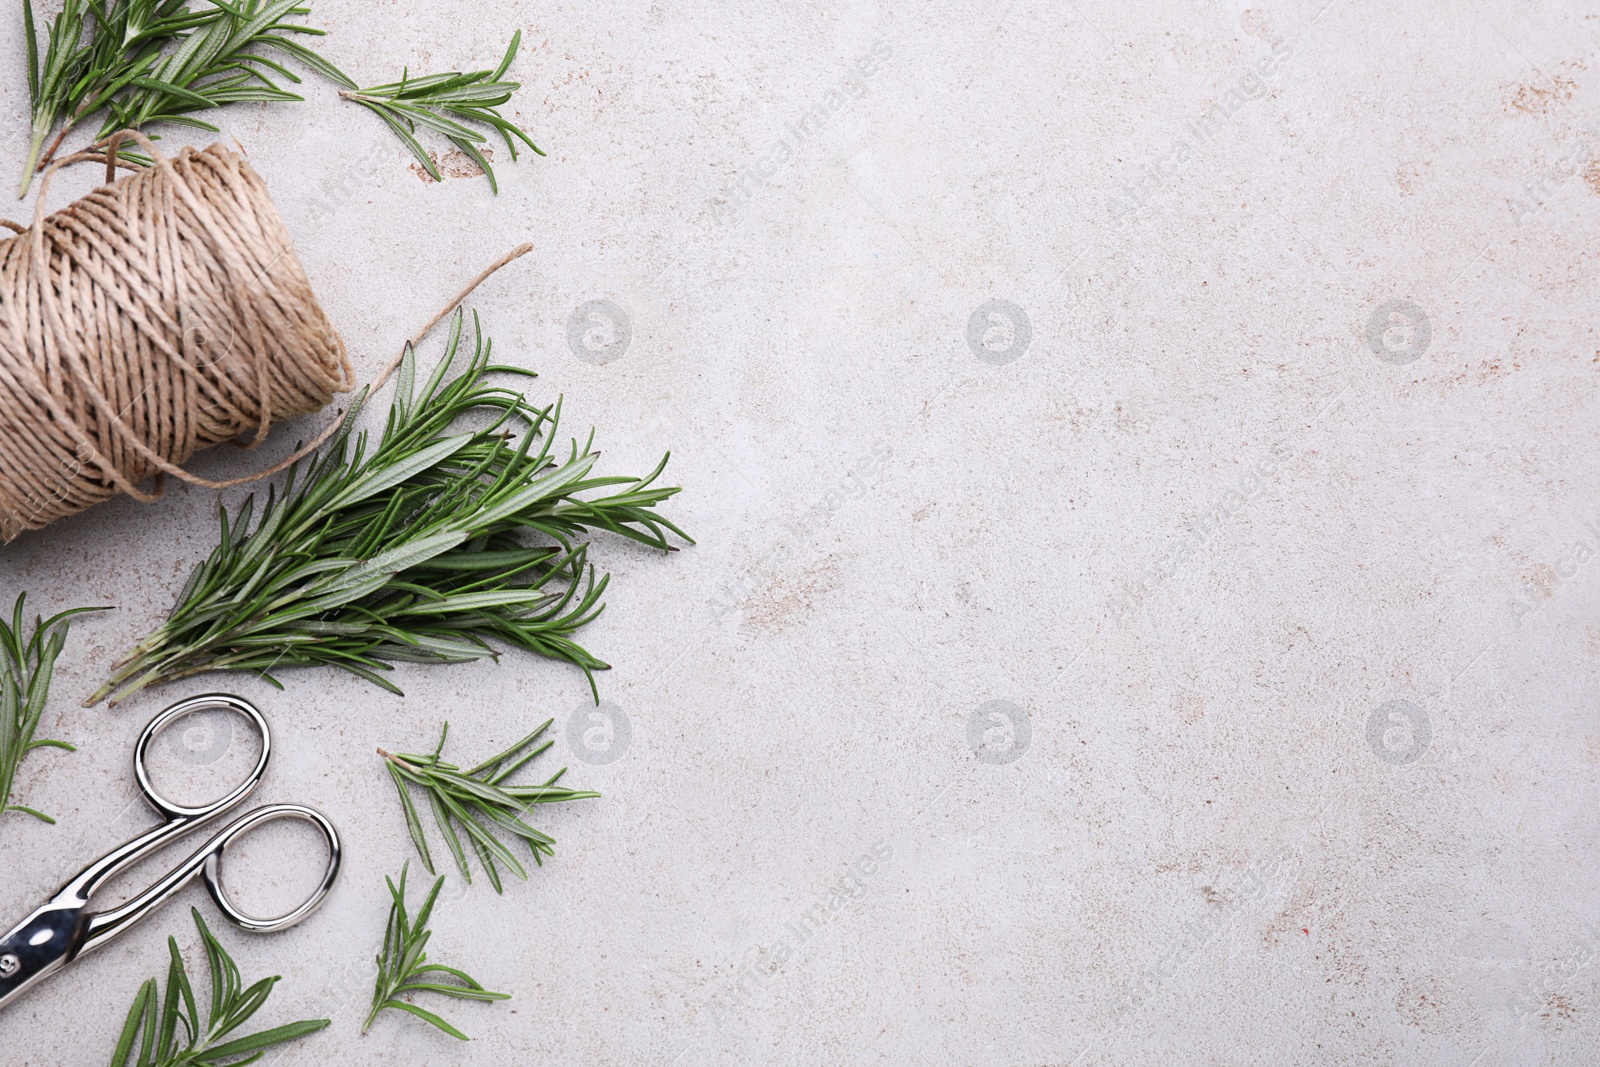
<point x="1144" y="463"/>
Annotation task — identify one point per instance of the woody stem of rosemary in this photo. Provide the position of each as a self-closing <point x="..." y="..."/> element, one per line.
<point x="50" y="153"/>
<point x="163" y="667"/>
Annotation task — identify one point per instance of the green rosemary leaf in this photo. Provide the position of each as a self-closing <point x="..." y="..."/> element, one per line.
<point x="480" y="562"/>
<point x="26" y="666"/>
<point x="138" y="1016"/>
<point x="248" y="62"/>
<point x="505" y="61"/>
<point x="251" y="95"/>
<point x="230" y="1008"/>
<point x="475" y="801"/>
<point x="425" y="1015"/>
<point x="497" y="775"/>
<point x="420" y="116"/>
<point x="442" y="817"/>
<point x="471" y="150"/>
<point x="459" y="992"/>
<point x="403" y="966"/>
<point x="445" y="103"/>
<point x="429" y="544"/>
<point x="307" y="57"/>
<point x="413" y="824"/>
<point x="488" y="766"/>
<point x="435" y="650"/>
<point x="267" y="1038"/>
<point x="178" y="91"/>
<point x="539" y="842"/>
<point x="486" y="859"/>
<point x="185" y="990"/>
<point x="395" y="473"/>
<point x="35" y="812"/>
<point x="405" y="380"/>
<point x="166" y="1033"/>
<point x="33" y="51"/>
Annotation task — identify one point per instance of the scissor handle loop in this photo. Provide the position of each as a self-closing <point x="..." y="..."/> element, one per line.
<point x="225" y="701"/>
<point x="218" y="847"/>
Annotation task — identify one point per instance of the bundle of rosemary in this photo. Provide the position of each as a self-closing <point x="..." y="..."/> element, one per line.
<point x="424" y="549"/>
<point x="142" y="62"/>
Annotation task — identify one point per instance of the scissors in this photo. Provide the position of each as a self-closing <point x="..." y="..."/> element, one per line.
<point x="66" y="927"/>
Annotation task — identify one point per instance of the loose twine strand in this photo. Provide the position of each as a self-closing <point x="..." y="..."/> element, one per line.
<point x="156" y="316"/>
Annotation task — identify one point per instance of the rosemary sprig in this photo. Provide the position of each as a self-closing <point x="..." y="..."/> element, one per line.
<point x="156" y="1028"/>
<point x="438" y="101"/>
<point x="148" y="61"/>
<point x="403" y="965"/>
<point x="414" y="552"/>
<point x="25" y="672"/>
<point x="460" y="798"/>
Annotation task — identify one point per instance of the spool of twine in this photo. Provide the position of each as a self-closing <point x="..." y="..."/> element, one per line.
<point x="160" y="314"/>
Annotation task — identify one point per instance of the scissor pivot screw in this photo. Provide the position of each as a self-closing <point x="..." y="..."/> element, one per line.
<point x="9" y="965"/>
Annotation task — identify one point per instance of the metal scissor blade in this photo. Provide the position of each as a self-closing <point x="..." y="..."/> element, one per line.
<point x="39" y="946"/>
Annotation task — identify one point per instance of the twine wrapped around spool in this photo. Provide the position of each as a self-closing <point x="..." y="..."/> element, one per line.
<point x="160" y="314"/>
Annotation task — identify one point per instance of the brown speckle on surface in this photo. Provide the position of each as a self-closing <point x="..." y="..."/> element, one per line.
<point x="1421" y="1002"/>
<point x="1591" y="178"/>
<point x="453" y="164"/>
<point x="1558" y="1010"/>
<point x="791" y="599"/>
<point x="1591" y="643"/>
<point x="1541" y="97"/>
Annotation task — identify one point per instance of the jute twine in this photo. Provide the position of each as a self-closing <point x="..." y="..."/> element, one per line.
<point x="158" y="315"/>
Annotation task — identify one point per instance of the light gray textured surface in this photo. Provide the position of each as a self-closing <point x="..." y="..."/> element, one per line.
<point x="1198" y="534"/>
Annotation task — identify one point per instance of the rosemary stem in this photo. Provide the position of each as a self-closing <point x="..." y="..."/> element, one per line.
<point x="50" y="153"/>
<point x="131" y="688"/>
<point x="41" y="130"/>
<point x="397" y="761"/>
